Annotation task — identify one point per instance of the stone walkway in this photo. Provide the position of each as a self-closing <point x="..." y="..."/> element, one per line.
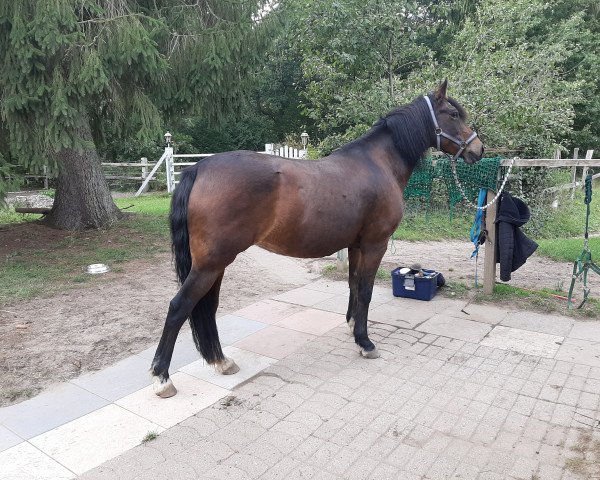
<point x="460" y="391"/>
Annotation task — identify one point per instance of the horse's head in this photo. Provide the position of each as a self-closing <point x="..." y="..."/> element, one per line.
<point x="452" y="135"/>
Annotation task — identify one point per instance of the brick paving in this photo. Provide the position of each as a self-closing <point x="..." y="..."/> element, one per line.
<point x="432" y="407"/>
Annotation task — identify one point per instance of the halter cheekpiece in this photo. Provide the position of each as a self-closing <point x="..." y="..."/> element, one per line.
<point x="440" y="133"/>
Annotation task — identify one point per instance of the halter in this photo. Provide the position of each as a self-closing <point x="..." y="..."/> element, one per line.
<point x="440" y="133"/>
<point x="463" y="144"/>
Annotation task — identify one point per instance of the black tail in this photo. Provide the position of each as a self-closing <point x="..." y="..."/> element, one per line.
<point x="202" y="320"/>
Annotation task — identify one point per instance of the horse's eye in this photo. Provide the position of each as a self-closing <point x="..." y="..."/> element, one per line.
<point x="454" y="114"/>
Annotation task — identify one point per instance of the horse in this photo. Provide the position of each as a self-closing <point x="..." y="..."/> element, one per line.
<point x="300" y="208"/>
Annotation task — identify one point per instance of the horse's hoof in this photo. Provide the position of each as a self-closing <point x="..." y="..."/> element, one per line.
<point x="351" y="325"/>
<point x="370" y="354"/>
<point x="164" y="389"/>
<point x="227" y="367"/>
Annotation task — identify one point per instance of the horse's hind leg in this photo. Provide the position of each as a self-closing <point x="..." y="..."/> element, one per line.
<point x="195" y="287"/>
<point x="353" y="261"/>
<point x="206" y="313"/>
<point x="370" y="260"/>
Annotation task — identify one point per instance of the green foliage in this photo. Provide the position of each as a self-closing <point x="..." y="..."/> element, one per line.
<point x="120" y="66"/>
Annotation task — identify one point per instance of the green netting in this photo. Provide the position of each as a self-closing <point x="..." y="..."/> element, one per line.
<point x="421" y="181"/>
<point x="483" y="174"/>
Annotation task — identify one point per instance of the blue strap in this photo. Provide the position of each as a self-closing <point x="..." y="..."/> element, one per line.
<point x="478" y="223"/>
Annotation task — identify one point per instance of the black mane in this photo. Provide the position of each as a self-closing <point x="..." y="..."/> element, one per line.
<point x="411" y="128"/>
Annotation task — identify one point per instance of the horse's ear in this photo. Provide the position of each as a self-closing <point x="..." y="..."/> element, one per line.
<point x="440" y="93"/>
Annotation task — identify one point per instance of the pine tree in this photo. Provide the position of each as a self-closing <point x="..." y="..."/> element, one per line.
<point x="76" y="72"/>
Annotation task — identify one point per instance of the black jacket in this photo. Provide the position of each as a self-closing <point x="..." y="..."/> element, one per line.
<point x="513" y="248"/>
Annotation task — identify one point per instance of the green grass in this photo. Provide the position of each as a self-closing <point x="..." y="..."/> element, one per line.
<point x="567" y="249"/>
<point x="60" y="265"/>
<point x="147" y="204"/>
<point x="541" y="300"/>
<point x="420" y="227"/>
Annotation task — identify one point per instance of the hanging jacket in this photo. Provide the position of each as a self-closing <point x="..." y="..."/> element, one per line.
<point x="513" y="247"/>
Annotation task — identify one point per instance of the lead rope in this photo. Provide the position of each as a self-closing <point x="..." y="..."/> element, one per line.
<point x="491" y="202"/>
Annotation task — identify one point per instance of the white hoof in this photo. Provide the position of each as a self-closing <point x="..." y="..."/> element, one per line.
<point x="351" y="324"/>
<point x="372" y="354"/>
<point x="227" y="367"/>
<point x="164" y="389"/>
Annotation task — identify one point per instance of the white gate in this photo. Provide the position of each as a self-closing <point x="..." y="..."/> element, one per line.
<point x="175" y="162"/>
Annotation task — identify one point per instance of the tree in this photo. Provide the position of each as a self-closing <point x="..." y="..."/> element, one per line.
<point x="78" y="72"/>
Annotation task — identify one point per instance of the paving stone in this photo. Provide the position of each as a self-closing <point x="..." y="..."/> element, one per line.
<point x="447" y="326"/>
<point x="49" y="410"/>
<point x="536" y="322"/>
<point x="531" y="343"/>
<point x="580" y="351"/>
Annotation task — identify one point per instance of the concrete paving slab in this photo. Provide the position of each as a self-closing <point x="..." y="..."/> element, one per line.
<point x="25" y="462"/>
<point x="329" y="286"/>
<point x="8" y="439"/>
<point x="233" y="328"/>
<point x="523" y="341"/>
<point x="395" y="314"/>
<point x="310" y="320"/>
<point x="536" y="322"/>
<point x="274" y="341"/>
<point x="452" y="327"/>
<point x="588" y="330"/>
<point x="192" y="396"/>
<point x="268" y="311"/>
<point x="250" y="364"/>
<point x="304" y="296"/>
<point x="580" y="351"/>
<point x="87" y="442"/>
<point x="337" y="304"/>
<point x="118" y="380"/>
<point x="479" y="313"/>
<point x="185" y="351"/>
<point x="50" y="409"/>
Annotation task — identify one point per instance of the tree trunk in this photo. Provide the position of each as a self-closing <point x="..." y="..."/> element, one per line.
<point x="82" y="198"/>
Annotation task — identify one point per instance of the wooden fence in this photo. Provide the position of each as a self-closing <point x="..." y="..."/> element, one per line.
<point x="489" y="263"/>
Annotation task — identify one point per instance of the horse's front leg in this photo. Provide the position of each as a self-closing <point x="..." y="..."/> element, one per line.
<point x="370" y="259"/>
<point x="353" y="261"/>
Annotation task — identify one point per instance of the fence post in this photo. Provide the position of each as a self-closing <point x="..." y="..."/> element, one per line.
<point x="45" y="177"/>
<point x="144" y="162"/>
<point x="489" y="261"/>
<point x="169" y="169"/>
<point x="342" y="260"/>
<point x="574" y="173"/>
<point x="269" y="149"/>
<point x="588" y="156"/>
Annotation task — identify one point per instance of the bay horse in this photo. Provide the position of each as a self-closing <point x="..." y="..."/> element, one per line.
<point x="300" y="208"/>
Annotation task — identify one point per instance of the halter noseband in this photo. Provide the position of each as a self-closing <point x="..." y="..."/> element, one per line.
<point x="440" y="133"/>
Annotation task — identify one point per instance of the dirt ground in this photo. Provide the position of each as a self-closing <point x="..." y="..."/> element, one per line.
<point x="50" y="340"/>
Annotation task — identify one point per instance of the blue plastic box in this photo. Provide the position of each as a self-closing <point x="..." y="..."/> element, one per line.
<point x="411" y="286"/>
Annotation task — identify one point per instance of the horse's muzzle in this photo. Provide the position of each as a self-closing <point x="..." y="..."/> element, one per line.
<point x="474" y="152"/>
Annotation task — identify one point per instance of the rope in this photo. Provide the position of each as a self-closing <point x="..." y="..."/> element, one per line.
<point x="491" y="202"/>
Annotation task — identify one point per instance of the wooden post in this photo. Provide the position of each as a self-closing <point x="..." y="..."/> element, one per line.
<point x="489" y="261"/>
<point x="342" y="260"/>
<point x="45" y="177"/>
<point x="588" y="156"/>
<point x="574" y="174"/>
<point x="144" y="162"/>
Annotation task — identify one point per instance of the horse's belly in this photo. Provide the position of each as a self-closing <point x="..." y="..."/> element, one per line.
<point x="306" y="244"/>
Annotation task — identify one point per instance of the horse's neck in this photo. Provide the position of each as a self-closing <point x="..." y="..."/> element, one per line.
<point x="389" y="155"/>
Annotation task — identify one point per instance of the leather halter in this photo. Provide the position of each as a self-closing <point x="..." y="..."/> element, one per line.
<point x="440" y="133"/>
